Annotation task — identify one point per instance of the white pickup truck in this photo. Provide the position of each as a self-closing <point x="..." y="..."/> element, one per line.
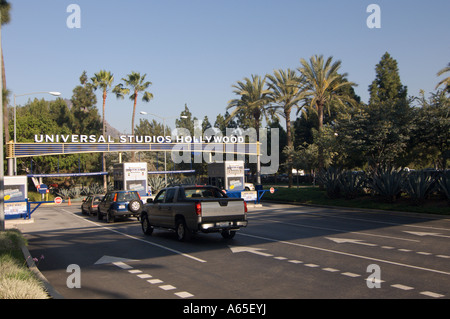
<point x="191" y="209"/>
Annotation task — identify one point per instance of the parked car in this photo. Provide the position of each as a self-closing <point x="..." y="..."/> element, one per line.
<point x="191" y="209"/>
<point x="119" y="204"/>
<point x="90" y="204"/>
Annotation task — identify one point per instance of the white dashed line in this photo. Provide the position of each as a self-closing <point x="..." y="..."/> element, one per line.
<point x="144" y="276"/>
<point x="350" y="274"/>
<point x="155" y="281"/>
<point x="431" y="294"/>
<point x="402" y="287"/>
<point x="167" y="287"/>
<point x="184" y="294"/>
<point x="330" y="269"/>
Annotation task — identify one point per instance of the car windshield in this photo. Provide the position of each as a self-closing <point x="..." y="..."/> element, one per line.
<point x="203" y="192"/>
<point x="126" y="197"/>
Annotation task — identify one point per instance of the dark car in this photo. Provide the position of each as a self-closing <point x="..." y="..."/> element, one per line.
<point x="119" y="204"/>
<point x="90" y="204"/>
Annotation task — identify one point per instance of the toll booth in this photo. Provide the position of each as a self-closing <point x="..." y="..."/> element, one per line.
<point x="228" y="175"/>
<point x="131" y="176"/>
<point x="16" y="197"/>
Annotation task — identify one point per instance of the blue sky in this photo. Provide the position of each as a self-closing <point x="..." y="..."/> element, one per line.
<point x="193" y="51"/>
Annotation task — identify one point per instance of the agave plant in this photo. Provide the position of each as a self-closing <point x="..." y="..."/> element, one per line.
<point x="156" y="183"/>
<point x="352" y="183"/>
<point x="387" y="182"/>
<point x="443" y="184"/>
<point x="330" y="179"/>
<point x="418" y="185"/>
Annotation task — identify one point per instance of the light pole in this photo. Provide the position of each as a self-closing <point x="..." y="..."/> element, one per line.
<point x="10" y="168"/>
<point x="164" y="132"/>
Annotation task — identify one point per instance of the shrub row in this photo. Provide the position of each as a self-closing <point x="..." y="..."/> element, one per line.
<point x="389" y="183"/>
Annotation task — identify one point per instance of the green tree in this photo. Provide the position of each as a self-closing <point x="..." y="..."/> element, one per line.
<point x="323" y="87"/>
<point x="135" y="84"/>
<point x="432" y="144"/>
<point x="254" y="98"/>
<point x="286" y="94"/>
<point x="387" y="86"/>
<point x="446" y="81"/>
<point x="86" y="117"/>
<point x="103" y="80"/>
<point x="5" y="8"/>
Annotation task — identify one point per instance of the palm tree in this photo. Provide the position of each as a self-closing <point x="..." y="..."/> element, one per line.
<point x="446" y="81"/>
<point x="323" y="86"/>
<point x="254" y="98"/>
<point x="253" y="101"/>
<point x="286" y="93"/>
<point x="136" y="84"/>
<point x="5" y="8"/>
<point x="103" y="80"/>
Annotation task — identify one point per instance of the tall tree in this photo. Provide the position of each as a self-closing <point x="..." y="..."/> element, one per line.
<point x="387" y="85"/>
<point x="254" y="98"/>
<point x="323" y="87"/>
<point x="86" y="117"/>
<point x="286" y="94"/>
<point x="134" y="83"/>
<point x="445" y="81"/>
<point x="103" y="80"/>
<point x="5" y="8"/>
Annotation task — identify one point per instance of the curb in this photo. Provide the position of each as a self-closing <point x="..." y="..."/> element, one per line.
<point x="32" y="266"/>
<point x="439" y="216"/>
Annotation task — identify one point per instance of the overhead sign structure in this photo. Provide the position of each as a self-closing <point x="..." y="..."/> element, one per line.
<point x="75" y="144"/>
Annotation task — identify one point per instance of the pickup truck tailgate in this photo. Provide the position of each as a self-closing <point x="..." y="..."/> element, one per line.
<point x="223" y="209"/>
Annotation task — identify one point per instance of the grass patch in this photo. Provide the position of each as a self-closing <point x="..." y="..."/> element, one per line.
<point x="16" y="280"/>
<point x="316" y="196"/>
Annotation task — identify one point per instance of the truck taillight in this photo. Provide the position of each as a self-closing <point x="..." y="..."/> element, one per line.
<point x="198" y="208"/>
<point x="245" y="206"/>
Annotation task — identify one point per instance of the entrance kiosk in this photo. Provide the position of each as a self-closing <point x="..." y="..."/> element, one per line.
<point x="131" y="176"/>
<point x="16" y="196"/>
<point x="228" y="175"/>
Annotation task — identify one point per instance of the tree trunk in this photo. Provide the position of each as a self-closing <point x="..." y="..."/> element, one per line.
<point x="287" y="114"/>
<point x="105" y="182"/>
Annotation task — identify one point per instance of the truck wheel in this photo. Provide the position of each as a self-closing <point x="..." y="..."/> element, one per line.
<point x="182" y="231"/>
<point x="228" y="234"/>
<point x="146" y="227"/>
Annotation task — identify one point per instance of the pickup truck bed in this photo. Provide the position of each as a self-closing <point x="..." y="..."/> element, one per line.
<point x="191" y="209"/>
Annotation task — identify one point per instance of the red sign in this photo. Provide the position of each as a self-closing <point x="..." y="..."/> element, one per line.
<point x="272" y="190"/>
<point x="58" y="200"/>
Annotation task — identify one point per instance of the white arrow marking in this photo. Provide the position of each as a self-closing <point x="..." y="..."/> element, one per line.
<point x="418" y="233"/>
<point x="117" y="261"/>
<point x="351" y="241"/>
<point x="249" y="250"/>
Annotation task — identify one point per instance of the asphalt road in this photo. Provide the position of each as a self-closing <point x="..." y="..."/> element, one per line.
<point x="286" y="252"/>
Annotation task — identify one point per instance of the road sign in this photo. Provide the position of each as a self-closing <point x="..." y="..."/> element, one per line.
<point x="42" y="188"/>
<point x="58" y="200"/>
<point x="272" y="190"/>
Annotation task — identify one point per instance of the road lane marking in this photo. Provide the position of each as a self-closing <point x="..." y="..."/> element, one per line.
<point x="347" y="254"/>
<point x="402" y="287"/>
<point x="137" y="238"/>
<point x="431" y="294"/>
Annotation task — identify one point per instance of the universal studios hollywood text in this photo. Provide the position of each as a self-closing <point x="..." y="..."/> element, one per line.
<point x="184" y="143"/>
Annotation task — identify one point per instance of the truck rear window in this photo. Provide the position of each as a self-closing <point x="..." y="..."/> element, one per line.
<point x="204" y="192"/>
